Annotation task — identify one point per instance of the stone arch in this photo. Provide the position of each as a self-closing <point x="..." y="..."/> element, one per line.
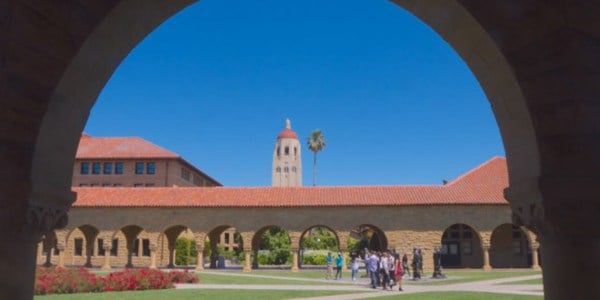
<point x="372" y="237"/>
<point x="511" y="64"/>
<point x="303" y="235"/>
<point x="226" y="236"/>
<point x="510" y="247"/>
<point x="256" y="242"/>
<point x="128" y="234"/>
<point x="80" y="244"/>
<point x="462" y="247"/>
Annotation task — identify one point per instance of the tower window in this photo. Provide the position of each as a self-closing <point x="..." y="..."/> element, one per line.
<point x="278" y="170"/>
<point x="286" y="170"/>
<point x="294" y="169"/>
<point x="295" y="151"/>
<point x="287" y="151"/>
<point x="278" y="151"/>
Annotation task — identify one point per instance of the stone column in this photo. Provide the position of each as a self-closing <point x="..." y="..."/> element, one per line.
<point x="200" y="257"/>
<point x="106" y="264"/>
<point x="153" y="249"/>
<point x="295" y="260"/>
<point x="343" y="237"/>
<point x="535" y="261"/>
<point x="486" y="258"/>
<point x="61" y="255"/>
<point x="247" y="263"/>
<point x="171" y="257"/>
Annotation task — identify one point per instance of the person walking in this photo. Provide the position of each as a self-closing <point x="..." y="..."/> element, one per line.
<point x="339" y="263"/>
<point x="329" y="270"/>
<point x="373" y="264"/>
<point x="354" y="266"/>
<point x="405" y="268"/>
<point x="398" y="272"/>
<point x="385" y="270"/>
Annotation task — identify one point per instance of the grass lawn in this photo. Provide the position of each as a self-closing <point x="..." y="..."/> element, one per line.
<point x="458" y="276"/>
<point x="192" y="294"/>
<point x="239" y="278"/>
<point x="531" y="281"/>
<point x="460" y="296"/>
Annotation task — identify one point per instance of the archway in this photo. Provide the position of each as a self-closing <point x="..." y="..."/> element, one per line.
<point x="461" y="247"/>
<point x="80" y="244"/>
<point x="369" y="237"/>
<point x="315" y="242"/>
<point x="224" y="244"/>
<point x="129" y="235"/>
<point x="271" y="245"/>
<point x="509" y="247"/>
<point x="44" y="114"/>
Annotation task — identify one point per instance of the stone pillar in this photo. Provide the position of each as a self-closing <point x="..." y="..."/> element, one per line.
<point x="153" y="250"/>
<point x="247" y="263"/>
<point x="171" y="257"/>
<point x="61" y="255"/>
<point x="486" y="258"/>
<point x="48" y="262"/>
<point x="106" y="264"/>
<point x="535" y="261"/>
<point x="295" y="260"/>
<point x="343" y="237"/>
<point x="200" y="257"/>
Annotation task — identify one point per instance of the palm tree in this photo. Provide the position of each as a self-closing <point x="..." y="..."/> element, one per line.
<point x="316" y="143"/>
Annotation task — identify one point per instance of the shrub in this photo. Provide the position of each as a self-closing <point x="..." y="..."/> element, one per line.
<point x="64" y="281"/>
<point x="185" y="251"/>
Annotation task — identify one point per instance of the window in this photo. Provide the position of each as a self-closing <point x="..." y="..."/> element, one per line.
<point x="294" y="169"/>
<point x="78" y="247"/>
<point x="118" y="168"/>
<point x="108" y="168"/>
<point x="139" y="168"/>
<point x="114" y="247"/>
<point x="101" y="251"/>
<point x="278" y="170"/>
<point x="467" y="249"/>
<point x="83" y="184"/>
<point x="185" y="174"/>
<point x="85" y="168"/>
<point x="96" y="168"/>
<point x="151" y="168"/>
<point x="149" y="184"/>
<point x="55" y="250"/>
<point x="467" y="234"/>
<point x="517" y="249"/>
<point x="287" y="151"/>
<point x="286" y="170"/>
<point x="455" y="235"/>
<point x="226" y="237"/>
<point x="198" y="180"/>
<point x="145" y="247"/>
<point x="278" y="151"/>
<point x="295" y="151"/>
<point x="118" y="185"/>
<point x="136" y="247"/>
<point x="106" y="184"/>
<point x="138" y="185"/>
<point x="95" y="184"/>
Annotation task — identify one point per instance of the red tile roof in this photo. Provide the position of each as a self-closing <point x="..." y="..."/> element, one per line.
<point x="119" y="147"/>
<point x="287" y="133"/>
<point x="483" y="185"/>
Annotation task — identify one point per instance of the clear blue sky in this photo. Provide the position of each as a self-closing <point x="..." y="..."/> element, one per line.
<point x="216" y="82"/>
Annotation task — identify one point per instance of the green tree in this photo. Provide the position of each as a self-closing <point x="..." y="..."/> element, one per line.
<point x="316" y="143"/>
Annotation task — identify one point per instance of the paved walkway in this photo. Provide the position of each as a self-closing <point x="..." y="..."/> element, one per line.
<point x="360" y="289"/>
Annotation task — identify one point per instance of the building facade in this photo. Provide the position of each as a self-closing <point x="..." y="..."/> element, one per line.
<point x="132" y="162"/>
<point x="287" y="158"/>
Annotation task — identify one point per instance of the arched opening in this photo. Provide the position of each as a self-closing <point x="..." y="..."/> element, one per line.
<point x="271" y="246"/>
<point x="128" y="236"/>
<point x="224" y="247"/>
<point x="461" y="247"/>
<point x="80" y="246"/>
<point x="315" y="243"/>
<point x="510" y="247"/>
<point x="368" y="237"/>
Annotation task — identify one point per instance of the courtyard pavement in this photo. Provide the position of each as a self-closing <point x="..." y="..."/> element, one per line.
<point x="360" y="289"/>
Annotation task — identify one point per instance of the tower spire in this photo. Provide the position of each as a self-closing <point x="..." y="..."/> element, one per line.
<point x="288" y="124"/>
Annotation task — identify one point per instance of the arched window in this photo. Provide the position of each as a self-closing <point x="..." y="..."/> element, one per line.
<point x="295" y="151"/>
<point x="278" y="151"/>
<point x="278" y="170"/>
<point x="287" y="150"/>
<point x="294" y="169"/>
<point x="286" y="170"/>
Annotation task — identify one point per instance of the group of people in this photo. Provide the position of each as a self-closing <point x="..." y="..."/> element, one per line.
<point x="385" y="269"/>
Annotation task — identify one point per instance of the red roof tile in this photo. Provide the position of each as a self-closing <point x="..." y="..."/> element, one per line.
<point x="483" y="185"/>
<point x="119" y="147"/>
<point x="287" y="133"/>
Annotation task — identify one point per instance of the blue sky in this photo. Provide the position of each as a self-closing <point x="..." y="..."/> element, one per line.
<point x="216" y="82"/>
